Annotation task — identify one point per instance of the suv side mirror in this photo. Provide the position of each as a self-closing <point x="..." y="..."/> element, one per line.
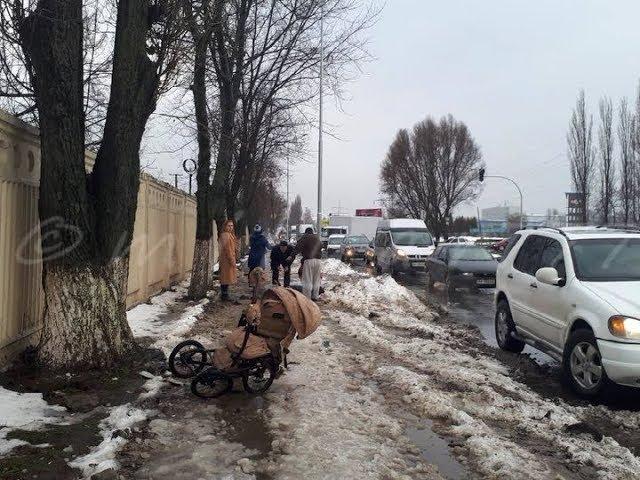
<point x="549" y="275"/>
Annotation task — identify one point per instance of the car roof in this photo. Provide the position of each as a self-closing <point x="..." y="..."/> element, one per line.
<point x="401" y="223"/>
<point x="461" y="245"/>
<point x="337" y="235"/>
<point x="586" y="232"/>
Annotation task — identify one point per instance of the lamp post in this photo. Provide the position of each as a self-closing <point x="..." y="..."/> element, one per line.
<point x="320" y="119"/>
<point x="483" y="176"/>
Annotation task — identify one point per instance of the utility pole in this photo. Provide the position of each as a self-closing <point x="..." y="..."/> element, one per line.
<point x="319" y="219"/>
<point x="288" y="206"/>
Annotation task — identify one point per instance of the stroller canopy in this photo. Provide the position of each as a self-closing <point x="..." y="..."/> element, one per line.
<point x="304" y="314"/>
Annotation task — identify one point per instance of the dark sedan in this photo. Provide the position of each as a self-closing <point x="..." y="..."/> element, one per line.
<point x="460" y="265"/>
<point x="353" y="246"/>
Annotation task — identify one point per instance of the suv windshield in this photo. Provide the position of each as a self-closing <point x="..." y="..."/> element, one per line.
<point x="411" y="237"/>
<point x="607" y="259"/>
<point x="469" y="253"/>
<point x="357" y="240"/>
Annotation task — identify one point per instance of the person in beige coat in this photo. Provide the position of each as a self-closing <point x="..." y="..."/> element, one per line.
<point x="228" y="257"/>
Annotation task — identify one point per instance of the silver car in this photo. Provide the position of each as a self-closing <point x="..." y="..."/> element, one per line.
<point x="352" y="247"/>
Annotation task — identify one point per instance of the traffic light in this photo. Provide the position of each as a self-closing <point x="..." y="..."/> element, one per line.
<point x="481" y="174"/>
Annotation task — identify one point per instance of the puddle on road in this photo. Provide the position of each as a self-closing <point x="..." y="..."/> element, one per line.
<point x="435" y="450"/>
<point x="246" y="416"/>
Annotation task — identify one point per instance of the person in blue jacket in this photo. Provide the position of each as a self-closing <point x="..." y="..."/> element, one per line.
<point x="258" y="248"/>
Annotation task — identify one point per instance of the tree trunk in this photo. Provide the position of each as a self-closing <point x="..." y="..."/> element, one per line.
<point x="87" y="224"/>
<point x="201" y="268"/>
<point x="85" y="322"/>
<point x="200" y="275"/>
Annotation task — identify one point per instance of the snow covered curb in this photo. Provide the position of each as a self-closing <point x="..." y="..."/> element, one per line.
<point x="495" y="417"/>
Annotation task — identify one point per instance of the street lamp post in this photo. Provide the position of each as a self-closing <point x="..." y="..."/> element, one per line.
<point x="319" y="217"/>
<point x="515" y="184"/>
<point x="288" y="206"/>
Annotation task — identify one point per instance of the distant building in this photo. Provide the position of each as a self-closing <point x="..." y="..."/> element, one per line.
<point x="575" y="208"/>
<point x="499" y="214"/>
<point x="491" y="228"/>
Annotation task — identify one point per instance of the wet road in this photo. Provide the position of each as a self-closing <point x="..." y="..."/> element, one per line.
<point x="468" y="308"/>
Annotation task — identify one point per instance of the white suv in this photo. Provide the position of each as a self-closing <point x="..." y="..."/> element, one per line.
<point x="574" y="294"/>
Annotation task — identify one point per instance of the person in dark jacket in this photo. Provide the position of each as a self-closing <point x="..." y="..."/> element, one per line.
<point x="281" y="256"/>
<point x="310" y="247"/>
<point x="258" y="248"/>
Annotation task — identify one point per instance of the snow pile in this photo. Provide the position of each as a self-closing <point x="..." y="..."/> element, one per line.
<point x="498" y="420"/>
<point x="376" y="294"/>
<point x="327" y="424"/>
<point x="113" y="430"/>
<point x="333" y="266"/>
<point x="24" y="411"/>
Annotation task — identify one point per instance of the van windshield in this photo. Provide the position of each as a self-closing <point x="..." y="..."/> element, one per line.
<point x="607" y="259"/>
<point x="417" y="237"/>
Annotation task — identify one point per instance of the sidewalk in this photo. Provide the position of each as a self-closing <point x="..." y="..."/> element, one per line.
<point x="383" y="390"/>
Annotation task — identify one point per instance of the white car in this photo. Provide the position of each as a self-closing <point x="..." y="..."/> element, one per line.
<point x="333" y="244"/>
<point x="574" y="293"/>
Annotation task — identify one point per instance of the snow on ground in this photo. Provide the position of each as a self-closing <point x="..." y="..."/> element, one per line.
<point x="156" y="320"/>
<point x="112" y="429"/>
<point x="327" y="424"/>
<point x="493" y="415"/>
<point x="24" y="411"/>
<point x="165" y="321"/>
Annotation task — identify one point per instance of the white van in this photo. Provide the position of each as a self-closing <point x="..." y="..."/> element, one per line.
<point x="402" y="245"/>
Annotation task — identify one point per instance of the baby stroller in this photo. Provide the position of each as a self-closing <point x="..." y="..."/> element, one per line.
<point x="255" y="350"/>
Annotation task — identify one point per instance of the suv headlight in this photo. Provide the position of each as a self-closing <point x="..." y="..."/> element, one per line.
<point x="401" y="253"/>
<point x="625" y="327"/>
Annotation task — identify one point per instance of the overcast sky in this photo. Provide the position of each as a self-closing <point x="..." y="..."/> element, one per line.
<point x="511" y="70"/>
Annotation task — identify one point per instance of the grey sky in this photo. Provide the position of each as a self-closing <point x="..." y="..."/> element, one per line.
<point x="510" y="69"/>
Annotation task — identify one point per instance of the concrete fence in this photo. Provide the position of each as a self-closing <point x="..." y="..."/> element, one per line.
<point x="161" y="252"/>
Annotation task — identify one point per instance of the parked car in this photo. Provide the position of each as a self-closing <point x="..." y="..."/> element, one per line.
<point x="402" y="245"/>
<point x="573" y="293"/>
<point x="461" y="240"/>
<point x="333" y="244"/>
<point x="461" y="265"/>
<point x="352" y="247"/>
<point x="326" y="232"/>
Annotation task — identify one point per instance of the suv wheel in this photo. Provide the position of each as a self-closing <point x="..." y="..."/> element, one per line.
<point x="504" y="327"/>
<point x="582" y="364"/>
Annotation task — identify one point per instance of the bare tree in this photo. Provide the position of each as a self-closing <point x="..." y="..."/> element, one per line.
<point x="307" y="216"/>
<point x="432" y="170"/>
<point x="199" y="21"/>
<point x="607" y="165"/>
<point x="295" y="211"/>
<point x="580" y="152"/>
<point x="635" y="170"/>
<point x="626" y="128"/>
<point x="87" y="221"/>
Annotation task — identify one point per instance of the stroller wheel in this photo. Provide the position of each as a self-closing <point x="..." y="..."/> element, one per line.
<point x="187" y="359"/>
<point x="260" y="376"/>
<point x="211" y="384"/>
